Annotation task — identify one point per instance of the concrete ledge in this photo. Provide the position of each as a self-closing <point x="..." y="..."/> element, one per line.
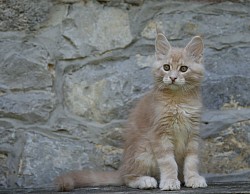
<point x="229" y="187"/>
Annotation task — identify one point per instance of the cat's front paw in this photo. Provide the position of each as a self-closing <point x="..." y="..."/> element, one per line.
<point x="170" y="184"/>
<point x="144" y="182"/>
<point x="196" y="182"/>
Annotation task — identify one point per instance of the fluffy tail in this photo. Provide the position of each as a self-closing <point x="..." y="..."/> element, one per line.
<point x="85" y="178"/>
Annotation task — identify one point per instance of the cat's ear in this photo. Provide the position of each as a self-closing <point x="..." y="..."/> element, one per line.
<point x="162" y="46"/>
<point x="195" y="49"/>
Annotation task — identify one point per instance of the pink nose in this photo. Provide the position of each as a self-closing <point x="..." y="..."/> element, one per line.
<point x="173" y="79"/>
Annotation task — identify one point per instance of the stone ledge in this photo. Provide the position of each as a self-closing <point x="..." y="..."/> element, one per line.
<point x="218" y="187"/>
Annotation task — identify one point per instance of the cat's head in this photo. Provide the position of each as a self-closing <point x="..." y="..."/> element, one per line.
<point x="178" y="68"/>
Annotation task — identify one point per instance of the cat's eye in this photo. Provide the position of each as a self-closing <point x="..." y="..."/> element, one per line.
<point x="183" y="68"/>
<point x="166" y="67"/>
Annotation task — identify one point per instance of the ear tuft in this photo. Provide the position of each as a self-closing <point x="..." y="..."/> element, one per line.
<point x="195" y="48"/>
<point x="162" y="46"/>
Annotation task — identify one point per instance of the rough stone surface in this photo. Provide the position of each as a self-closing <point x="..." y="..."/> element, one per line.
<point x="227" y="141"/>
<point x="30" y="106"/>
<point x="90" y="29"/>
<point x="72" y="69"/>
<point x="23" y="66"/>
<point x="22" y="15"/>
<point x="102" y="92"/>
<point x="56" y="154"/>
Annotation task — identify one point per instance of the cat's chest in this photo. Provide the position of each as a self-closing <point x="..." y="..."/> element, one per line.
<point x="180" y="117"/>
<point x="180" y="121"/>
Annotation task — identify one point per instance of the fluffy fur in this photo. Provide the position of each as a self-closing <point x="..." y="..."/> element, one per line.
<point x="161" y="138"/>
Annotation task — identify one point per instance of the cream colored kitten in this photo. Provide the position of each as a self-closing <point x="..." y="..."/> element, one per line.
<point x="161" y="138"/>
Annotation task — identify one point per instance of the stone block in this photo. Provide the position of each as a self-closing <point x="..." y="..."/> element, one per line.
<point x="89" y="29"/>
<point x="24" y="66"/>
<point x="30" y="107"/>
<point x="102" y="94"/>
<point x="44" y="157"/>
<point x="23" y="15"/>
<point x="226" y="141"/>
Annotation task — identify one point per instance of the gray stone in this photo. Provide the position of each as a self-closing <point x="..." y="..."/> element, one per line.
<point x="102" y="142"/>
<point x="3" y="169"/>
<point x="102" y="94"/>
<point x="149" y="30"/>
<point x="227" y="144"/>
<point x="24" y="67"/>
<point x="135" y="2"/>
<point x="23" y="15"/>
<point x="29" y="106"/>
<point x="87" y="29"/>
<point x="218" y="92"/>
<point x="222" y="63"/>
<point x="110" y="155"/>
<point x="6" y="127"/>
<point x="216" y="121"/>
<point x="44" y="156"/>
<point x="8" y="139"/>
<point x="243" y="176"/>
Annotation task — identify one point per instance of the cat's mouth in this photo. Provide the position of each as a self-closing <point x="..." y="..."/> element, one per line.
<point x="174" y="83"/>
<point x="173" y="86"/>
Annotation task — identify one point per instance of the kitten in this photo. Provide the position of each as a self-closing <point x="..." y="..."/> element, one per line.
<point x="161" y="139"/>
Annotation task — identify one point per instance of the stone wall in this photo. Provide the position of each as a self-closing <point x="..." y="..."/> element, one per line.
<point x="72" y="69"/>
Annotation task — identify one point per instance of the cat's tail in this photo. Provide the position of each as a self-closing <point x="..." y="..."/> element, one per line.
<point x="77" y="179"/>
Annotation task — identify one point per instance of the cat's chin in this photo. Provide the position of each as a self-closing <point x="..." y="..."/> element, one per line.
<point x="173" y="87"/>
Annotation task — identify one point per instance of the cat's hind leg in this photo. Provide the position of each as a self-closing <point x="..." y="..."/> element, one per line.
<point x="140" y="171"/>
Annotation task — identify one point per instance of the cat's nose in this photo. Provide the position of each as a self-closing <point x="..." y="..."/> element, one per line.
<point x="173" y="79"/>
